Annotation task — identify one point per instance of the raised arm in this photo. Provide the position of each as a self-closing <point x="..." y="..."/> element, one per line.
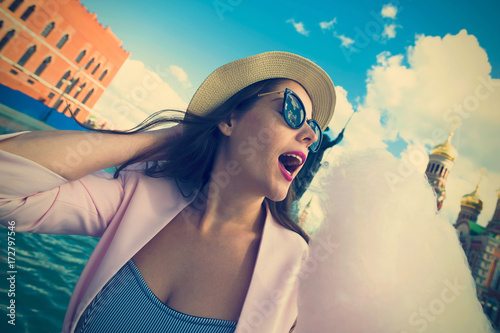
<point x="50" y="181"/>
<point x="74" y="154"/>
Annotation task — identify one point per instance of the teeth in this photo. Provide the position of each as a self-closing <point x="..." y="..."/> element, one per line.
<point x="295" y="156"/>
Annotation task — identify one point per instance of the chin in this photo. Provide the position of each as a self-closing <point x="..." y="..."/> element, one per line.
<point x="278" y="194"/>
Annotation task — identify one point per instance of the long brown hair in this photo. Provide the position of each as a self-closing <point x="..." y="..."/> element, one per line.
<point x="196" y="148"/>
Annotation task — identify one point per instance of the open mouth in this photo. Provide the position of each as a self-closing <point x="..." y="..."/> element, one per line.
<point x="290" y="162"/>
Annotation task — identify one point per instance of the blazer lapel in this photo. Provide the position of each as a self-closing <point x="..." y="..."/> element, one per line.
<point x="270" y="304"/>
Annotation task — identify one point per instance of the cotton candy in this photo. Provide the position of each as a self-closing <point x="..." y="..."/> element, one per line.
<point x="383" y="259"/>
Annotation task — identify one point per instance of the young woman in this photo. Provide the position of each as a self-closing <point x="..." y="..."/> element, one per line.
<point x="198" y="239"/>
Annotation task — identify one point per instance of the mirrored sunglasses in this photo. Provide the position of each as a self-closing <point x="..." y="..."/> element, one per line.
<point x="294" y="112"/>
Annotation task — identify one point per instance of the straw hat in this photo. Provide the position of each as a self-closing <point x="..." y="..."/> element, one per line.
<point x="230" y="78"/>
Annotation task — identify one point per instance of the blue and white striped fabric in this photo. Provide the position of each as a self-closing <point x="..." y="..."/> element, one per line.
<point x="126" y="304"/>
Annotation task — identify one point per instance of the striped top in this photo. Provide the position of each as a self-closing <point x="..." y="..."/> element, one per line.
<point x="126" y="304"/>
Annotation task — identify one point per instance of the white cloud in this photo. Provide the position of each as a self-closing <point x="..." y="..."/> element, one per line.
<point x="299" y="27"/>
<point x="389" y="31"/>
<point x="420" y="93"/>
<point x="135" y="93"/>
<point x="328" y="25"/>
<point x="345" y="41"/>
<point x="390" y="11"/>
<point x="181" y="76"/>
<point x="364" y="129"/>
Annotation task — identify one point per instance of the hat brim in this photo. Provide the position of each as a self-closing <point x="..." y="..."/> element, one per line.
<point x="230" y="78"/>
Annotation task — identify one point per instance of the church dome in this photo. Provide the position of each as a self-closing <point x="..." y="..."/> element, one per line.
<point x="472" y="200"/>
<point x="445" y="149"/>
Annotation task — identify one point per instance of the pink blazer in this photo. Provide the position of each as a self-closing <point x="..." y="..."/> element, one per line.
<point x="125" y="213"/>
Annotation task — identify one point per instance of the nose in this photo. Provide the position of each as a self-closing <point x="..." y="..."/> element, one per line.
<point x="307" y="134"/>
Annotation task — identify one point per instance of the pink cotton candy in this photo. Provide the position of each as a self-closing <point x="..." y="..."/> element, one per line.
<point x="383" y="260"/>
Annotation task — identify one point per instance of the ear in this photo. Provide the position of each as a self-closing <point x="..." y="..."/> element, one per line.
<point x="226" y="127"/>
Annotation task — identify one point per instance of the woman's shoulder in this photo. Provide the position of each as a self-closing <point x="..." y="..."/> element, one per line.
<point x="137" y="176"/>
<point x="294" y="243"/>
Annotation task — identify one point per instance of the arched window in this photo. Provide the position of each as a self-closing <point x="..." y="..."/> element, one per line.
<point x="27" y="55"/>
<point x="103" y="75"/>
<point x="48" y="29"/>
<point x="80" y="56"/>
<point x="27" y="13"/>
<point x="66" y="109"/>
<point x="57" y="104"/>
<point x="79" y="90"/>
<point x="62" y="41"/>
<point x="73" y="84"/>
<point x="90" y="63"/>
<point x="76" y="112"/>
<point x="6" y="38"/>
<point x="88" y="96"/>
<point x="42" y="66"/>
<point x="13" y="7"/>
<point x="1" y="24"/>
<point x="63" y="79"/>
<point x="96" y="68"/>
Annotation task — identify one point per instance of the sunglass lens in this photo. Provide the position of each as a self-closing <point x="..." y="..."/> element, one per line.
<point x="294" y="112"/>
<point x="317" y="130"/>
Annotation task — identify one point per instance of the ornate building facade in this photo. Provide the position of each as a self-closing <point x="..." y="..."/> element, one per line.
<point x="482" y="248"/>
<point x="57" y="52"/>
<point x="481" y="245"/>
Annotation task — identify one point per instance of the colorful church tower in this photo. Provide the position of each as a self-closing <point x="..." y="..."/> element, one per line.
<point x="494" y="225"/>
<point x="471" y="206"/>
<point x="441" y="161"/>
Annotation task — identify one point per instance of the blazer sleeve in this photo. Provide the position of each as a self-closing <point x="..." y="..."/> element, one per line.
<point x="41" y="201"/>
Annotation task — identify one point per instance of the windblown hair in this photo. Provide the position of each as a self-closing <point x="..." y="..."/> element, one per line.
<point x="190" y="157"/>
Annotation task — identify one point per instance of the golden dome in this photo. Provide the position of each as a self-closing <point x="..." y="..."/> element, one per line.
<point x="472" y="200"/>
<point x="446" y="149"/>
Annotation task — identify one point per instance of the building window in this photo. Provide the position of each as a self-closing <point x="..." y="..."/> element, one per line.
<point x="1" y="23"/>
<point x="42" y="66"/>
<point x="96" y="68"/>
<point x="71" y="86"/>
<point x="79" y="90"/>
<point x="48" y="29"/>
<point x="63" y="79"/>
<point x="103" y="75"/>
<point x="57" y="104"/>
<point x="51" y="95"/>
<point x="27" y="13"/>
<point x="27" y="55"/>
<point x="13" y="7"/>
<point x="76" y="112"/>
<point x="80" y="56"/>
<point x="90" y="63"/>
<point x="6" y="38"/>
<point x="62" y="41"/>
<point x="88" y="96"/>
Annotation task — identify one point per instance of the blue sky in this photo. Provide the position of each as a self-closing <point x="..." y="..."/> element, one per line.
<point x="405" y="67"/>
<point x="199" y="36"/>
